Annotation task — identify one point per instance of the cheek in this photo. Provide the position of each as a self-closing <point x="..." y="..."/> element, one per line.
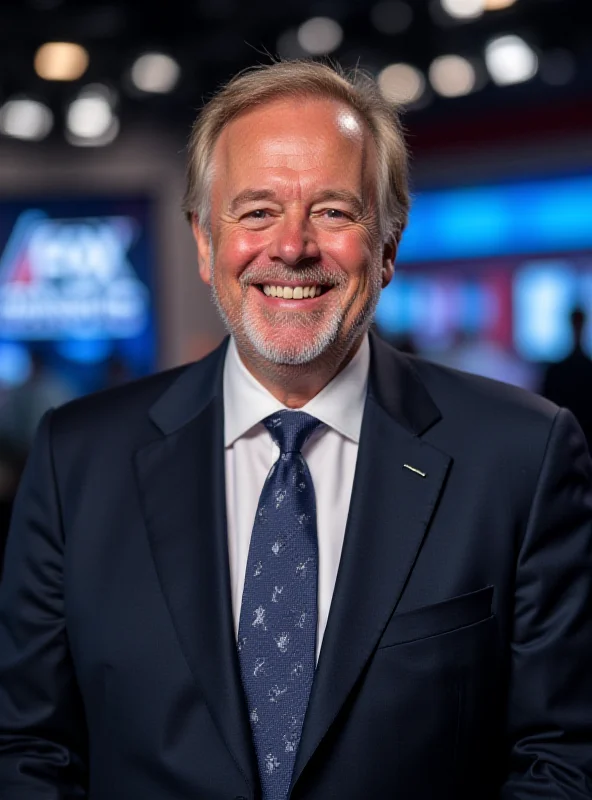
<point x="350" y="252"/>
<point x="238" y="250"/>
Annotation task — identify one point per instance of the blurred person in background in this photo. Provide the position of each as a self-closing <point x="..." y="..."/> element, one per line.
<point x="201" y="600"/>
<point x="568" y="383"/>
<point x="24" y="405"/>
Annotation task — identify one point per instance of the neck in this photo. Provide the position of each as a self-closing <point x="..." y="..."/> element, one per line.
<point x="293" y="385"/>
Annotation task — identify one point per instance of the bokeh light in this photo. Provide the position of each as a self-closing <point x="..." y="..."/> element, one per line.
<point x="156" y="73"/>
<point x="320" y="35"/>
<point x="61" y="61"/>
<point x="452" y="76"/>
<point x="401" y="83"/>
<point x="510" y="59"/>
<point x="24" y="118"/>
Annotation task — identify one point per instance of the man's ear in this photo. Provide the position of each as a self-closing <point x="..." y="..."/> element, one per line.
<point x="389" y="253"/>
<point x="203" y="241"/>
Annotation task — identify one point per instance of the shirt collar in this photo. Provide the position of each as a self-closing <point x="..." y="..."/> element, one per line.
<point x="340" y="405"/>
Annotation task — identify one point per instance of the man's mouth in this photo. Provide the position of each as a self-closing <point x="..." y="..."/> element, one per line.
<point x="295" y="292"/>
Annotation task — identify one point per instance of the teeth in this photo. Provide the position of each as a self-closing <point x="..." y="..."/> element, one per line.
<point x="292" y="293"/>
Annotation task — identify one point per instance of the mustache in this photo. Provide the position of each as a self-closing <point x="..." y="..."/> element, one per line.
<point x="278" y="273"/>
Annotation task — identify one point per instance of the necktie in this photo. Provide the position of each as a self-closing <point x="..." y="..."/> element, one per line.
<point x="278" y="619"/>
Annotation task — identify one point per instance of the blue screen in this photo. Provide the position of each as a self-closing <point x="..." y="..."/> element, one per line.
<point x="494" y="271"/>
<point x="76" y="289"/>
<point x="536" y="216"/>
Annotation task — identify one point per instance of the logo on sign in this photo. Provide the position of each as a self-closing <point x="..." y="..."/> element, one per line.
<point x="63" y="278"/>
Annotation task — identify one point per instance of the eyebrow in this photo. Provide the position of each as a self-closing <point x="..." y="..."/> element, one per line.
<point x="250" y="196"/>
<point x="341" y="195"/>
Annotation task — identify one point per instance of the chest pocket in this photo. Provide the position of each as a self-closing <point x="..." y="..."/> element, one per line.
<point x="433" y="620"/>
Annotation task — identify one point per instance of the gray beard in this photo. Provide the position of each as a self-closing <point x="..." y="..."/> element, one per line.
<point x="243" y="328"/>
<point x="297" y="355"/>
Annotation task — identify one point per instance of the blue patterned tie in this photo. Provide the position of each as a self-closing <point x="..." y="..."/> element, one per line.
<point x="278" y="619"/>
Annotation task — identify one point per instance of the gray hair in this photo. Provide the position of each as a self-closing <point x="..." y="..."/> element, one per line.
<point x="259" y="85"/>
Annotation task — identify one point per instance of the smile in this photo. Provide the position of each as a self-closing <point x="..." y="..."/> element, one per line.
<point x="293" y="292"/>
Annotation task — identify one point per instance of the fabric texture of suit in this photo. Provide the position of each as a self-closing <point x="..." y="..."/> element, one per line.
<point x="457" y="659"/>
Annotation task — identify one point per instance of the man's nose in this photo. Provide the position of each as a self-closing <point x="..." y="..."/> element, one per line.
<point x="294" y="240"/>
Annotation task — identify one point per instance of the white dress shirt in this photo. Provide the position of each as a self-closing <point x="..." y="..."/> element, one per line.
<point x="330" y="453"/>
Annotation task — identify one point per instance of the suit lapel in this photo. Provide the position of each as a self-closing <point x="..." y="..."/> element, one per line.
<point x="182" y="487"/>
<point x="390" y="510"/>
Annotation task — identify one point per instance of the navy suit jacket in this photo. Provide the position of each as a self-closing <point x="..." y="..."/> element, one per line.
<point x="457" y="659"/>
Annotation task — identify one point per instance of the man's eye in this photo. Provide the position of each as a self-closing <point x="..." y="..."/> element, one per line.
<point x="257" y="213"/>
<point x="335" y="213"/>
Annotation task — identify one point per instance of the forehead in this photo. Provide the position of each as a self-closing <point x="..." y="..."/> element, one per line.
<point x="300" y="139"/>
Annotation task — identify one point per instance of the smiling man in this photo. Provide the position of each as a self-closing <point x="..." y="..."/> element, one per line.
<point x="293" y="243"/>
<point x="307" y="566"/>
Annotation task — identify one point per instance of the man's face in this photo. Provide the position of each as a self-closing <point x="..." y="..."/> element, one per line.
<point x="295" y="258"/>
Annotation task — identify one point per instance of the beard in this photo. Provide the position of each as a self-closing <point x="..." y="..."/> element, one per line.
<point x="297" y="338"/>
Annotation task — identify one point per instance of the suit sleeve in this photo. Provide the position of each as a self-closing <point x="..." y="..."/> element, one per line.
<point x="42" y="730"/>
<point x="550" y="701"/>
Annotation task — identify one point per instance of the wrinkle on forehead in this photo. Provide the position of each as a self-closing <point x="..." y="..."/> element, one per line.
<point x="234" y="137"/>
<point x="296" y="154"/>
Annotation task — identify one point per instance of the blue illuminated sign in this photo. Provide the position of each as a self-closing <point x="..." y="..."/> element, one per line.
<point x="71" y="278"/>
<point x="506" y="219"/>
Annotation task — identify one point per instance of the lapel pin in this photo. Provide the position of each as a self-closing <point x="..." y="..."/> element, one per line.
<point x="414" y="469"/>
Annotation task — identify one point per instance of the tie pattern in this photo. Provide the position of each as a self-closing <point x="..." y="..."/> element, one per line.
<point x="278" y="619"/>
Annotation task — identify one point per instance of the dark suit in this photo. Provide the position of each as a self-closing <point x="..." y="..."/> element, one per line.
<point x="457" y="661"/>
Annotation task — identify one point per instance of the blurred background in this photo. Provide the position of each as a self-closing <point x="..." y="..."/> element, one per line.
<point x="98" y="283"/>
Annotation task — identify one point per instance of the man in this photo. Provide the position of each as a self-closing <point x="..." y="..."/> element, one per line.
<point x="307" y="565"/>
<point x="569" y="382"/>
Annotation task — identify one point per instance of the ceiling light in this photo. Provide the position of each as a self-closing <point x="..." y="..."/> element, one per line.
<point x="155" y="72"/>
<point x="496" y="5"/>
<point x="320" y="35"/>
<point x="391" y="16"/>
<point x="23" y="118"/>
<point x="61" y="61"/>
<point x="463" y="9"/>
<point x="90" y="119"/>
<point x="452" y="76"/>
<point x="401" y="83"/>
<point x="510" y="60"/>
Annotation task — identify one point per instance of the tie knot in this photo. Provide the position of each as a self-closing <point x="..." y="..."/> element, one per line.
<point x="291" y="429"/>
